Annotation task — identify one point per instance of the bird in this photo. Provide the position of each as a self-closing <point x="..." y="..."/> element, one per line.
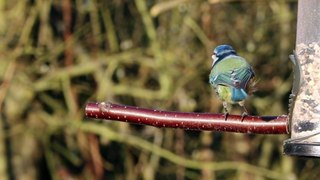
<point x="230" y="76"/>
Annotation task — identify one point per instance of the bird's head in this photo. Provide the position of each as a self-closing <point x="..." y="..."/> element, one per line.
<point x="221" y="52"/>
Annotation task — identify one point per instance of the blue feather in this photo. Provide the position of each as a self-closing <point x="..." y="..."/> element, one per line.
<point x="238" y="94"/>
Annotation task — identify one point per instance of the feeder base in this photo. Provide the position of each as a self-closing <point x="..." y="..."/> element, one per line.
<point x="302" y="149"/>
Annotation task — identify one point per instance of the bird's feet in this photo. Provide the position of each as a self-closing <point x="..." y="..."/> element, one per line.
<point x="245" y="111"/>
<point x="226" y="114"/>
<point x="244" y="114"/>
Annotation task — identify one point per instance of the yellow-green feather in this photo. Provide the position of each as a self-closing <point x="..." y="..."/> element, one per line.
<point x="224" y="93"/>
<point x="229" y="64"/>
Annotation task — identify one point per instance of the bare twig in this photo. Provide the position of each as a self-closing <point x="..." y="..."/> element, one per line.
<point x="188" y="121"/>
<point x="4" y="86"/>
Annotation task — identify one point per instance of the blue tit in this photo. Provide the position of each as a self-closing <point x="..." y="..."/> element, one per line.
<point x="230" y="76"/>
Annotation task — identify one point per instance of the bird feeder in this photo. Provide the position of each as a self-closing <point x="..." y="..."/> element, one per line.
<point x="305" y="107"/>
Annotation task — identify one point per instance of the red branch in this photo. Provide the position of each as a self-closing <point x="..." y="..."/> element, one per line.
<point x="188" y="121"/>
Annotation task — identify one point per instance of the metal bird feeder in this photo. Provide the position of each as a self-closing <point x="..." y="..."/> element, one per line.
<point x="305" y="107"/>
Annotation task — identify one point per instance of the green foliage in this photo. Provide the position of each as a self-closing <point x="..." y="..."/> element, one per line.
<point x="56" y="56"/>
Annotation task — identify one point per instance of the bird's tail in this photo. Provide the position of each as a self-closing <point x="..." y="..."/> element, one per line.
<point x="238" y="94"/>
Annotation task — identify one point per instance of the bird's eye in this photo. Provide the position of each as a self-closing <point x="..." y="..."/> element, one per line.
<point x="214" y="53"/>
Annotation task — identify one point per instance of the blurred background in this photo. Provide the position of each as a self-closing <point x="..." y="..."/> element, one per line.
<point x="55" y="56"/>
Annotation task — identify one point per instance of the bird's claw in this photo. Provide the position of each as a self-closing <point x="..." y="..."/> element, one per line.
<point x="226" y="114"/>
<point x="244" y="114"/>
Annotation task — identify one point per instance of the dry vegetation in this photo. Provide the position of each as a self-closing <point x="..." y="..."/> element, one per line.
<point x="56" y="56"/>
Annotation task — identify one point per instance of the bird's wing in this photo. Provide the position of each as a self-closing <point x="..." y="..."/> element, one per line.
<point x="221" y="79"/>
<point x="237" y="78"/>
<point x="242" y="76"/>
<point x="232" y="71"/>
